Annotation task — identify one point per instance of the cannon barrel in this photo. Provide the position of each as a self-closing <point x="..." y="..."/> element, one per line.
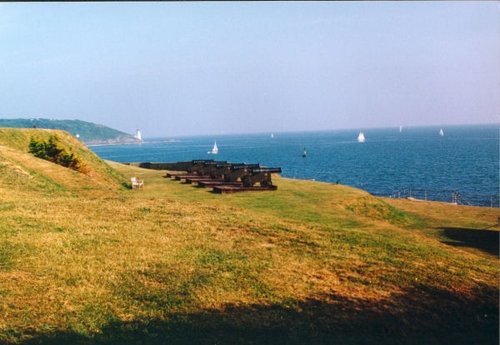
<point x="201" y="161"/>
<point x="265" y="170"/>
<point x="243" y="166"/>
<point x="228" y="165"/>
<point x="215" y="162"/>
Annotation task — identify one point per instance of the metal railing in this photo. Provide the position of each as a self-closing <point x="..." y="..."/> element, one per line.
<point x="451" y="196"/>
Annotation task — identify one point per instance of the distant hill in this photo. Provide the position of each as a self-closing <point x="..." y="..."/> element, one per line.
<point x="88" y="132"/>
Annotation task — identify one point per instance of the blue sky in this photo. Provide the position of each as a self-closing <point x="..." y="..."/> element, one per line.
<point x="238" y="67"/>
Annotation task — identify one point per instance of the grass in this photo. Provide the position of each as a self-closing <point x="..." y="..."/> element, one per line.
<point x="85" y="260"/>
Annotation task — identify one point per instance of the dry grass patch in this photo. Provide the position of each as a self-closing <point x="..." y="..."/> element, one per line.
<point x="176" y="263"/>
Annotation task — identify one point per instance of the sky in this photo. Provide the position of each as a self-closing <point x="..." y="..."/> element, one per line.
<point x="195" y="68"/>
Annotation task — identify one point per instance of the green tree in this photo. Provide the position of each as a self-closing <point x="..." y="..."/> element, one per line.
<point x="53" y="151"/>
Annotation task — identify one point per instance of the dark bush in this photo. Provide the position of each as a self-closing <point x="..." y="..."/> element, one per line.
<point x="126" y="185"/>
<point x="53" y="151"/>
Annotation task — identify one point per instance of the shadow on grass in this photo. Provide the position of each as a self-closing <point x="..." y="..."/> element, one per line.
<point x="484" y="240"/>
<point x="421" y="315"/>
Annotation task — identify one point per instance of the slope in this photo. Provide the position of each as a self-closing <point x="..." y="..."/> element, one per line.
<point x="21" y="170"/>
<point x="172" y="263"/>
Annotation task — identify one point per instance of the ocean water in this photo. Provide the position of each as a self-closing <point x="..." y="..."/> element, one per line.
<point x="415" y="162"/>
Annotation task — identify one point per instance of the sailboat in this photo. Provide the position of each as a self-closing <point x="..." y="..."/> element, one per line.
<point x="400" y="129"/>
<point x="215" y="149"/>
<point x="361" y="137"/>
<point x="441" y="133"/>
<point x="272" y="135"/>
<point x="305" y="153"/>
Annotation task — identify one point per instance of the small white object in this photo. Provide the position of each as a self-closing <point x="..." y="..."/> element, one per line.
<point x="136" y="183"/>
<point x="441" y="133"/>
<point x="361" y="137"/>
<point x="215" y="149"/>
<point x="138" y="134"/>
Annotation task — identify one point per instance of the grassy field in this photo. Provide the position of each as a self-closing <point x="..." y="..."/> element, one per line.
<point x="85" y="260"/>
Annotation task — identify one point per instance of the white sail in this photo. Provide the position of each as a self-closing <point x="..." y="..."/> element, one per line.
<point x="361" y="137"/>
<point x="441" y="133"/>
<point x="272" y="135"/>
<point x="215" y="149"/>
<point x="400" y="129"/>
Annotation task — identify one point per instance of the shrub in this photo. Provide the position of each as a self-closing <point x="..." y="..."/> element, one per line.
<point x="53" y="151"/>
<point x="126" y="185"/>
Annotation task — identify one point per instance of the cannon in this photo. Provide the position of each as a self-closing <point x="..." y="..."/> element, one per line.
<point x="206" y="172"/>
<point x="192" y="171"/>
<point x="197" y="165"/>
<point x="209" y="167"/>
<point x="220" y="170"/>
<point x="238" y="171"/>
<point x="225" y="177"/>
<point x="249" y="176"/>
<point x="216" y="173"/>
<point x="259" y="175"/>
<point x="190" y="168"/>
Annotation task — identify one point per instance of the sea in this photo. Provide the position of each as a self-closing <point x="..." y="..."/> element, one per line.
<point x="460" y="166"/>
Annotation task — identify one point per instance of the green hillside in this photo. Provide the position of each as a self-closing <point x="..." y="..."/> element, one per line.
<point x="84" y="260"/>
<point x="88" y="132"/>
<point x="20" y="170"/>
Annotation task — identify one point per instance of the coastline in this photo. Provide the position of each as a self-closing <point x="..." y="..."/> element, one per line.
<point x="111" y="143"/>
